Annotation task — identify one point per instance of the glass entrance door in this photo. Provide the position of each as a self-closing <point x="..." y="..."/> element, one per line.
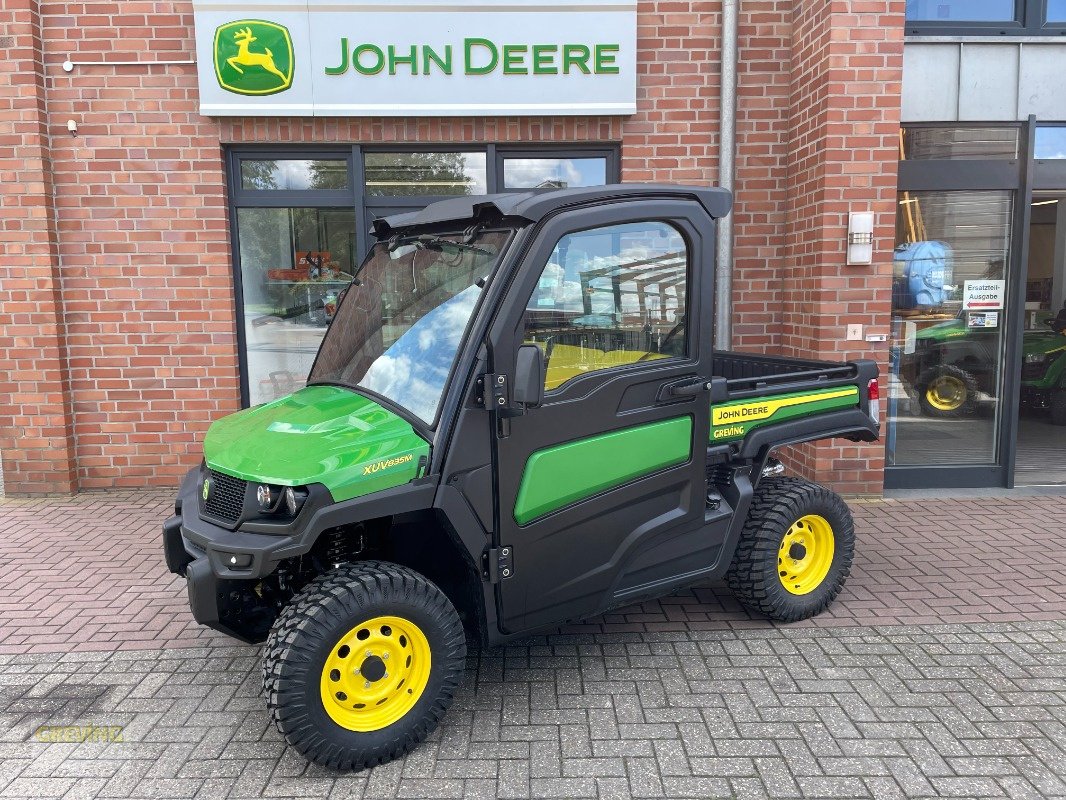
<point x="1041" y="450"/>
<point x="949" y="322"/>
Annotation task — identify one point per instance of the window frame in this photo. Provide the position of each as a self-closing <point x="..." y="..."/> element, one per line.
<point x="610" y="155"/>
<point x="691" y="331"/>
<point x="1030" y="19"/>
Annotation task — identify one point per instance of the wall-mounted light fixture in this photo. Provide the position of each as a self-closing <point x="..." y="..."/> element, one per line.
<point x="860" y="238"/>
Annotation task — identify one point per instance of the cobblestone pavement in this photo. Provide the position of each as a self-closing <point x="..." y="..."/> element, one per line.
<point x="940" y="672"/>
<point x="87" y="573"/>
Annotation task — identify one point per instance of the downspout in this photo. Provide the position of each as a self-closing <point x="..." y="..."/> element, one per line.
<point x="727" y="144"/>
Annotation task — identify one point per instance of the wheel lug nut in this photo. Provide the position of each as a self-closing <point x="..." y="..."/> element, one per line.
<point x="369" y="653"/>
<point x="366" y="685"/>
<point x="384" y="656"/>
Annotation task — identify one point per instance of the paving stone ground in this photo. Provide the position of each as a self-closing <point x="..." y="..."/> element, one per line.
<point x="939" y="672"/>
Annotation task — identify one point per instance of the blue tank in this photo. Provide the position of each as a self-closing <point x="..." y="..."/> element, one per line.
<point x="923" y="270"/>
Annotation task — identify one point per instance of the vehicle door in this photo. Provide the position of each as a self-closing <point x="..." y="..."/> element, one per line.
<point x="602" y="488"/>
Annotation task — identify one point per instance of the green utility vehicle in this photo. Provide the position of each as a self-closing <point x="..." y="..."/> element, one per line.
<point x="953" y="363"/>
<point x="517" y="418"/>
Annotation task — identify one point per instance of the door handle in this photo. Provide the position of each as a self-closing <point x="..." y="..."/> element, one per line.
<point x="689" y="387"/>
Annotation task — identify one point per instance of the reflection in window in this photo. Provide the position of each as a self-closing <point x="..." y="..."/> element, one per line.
<point x="1050" y="142"/>
<point x="608" y="297"/>
<point x="946" y="357"/>
<point x="399" y="330"/>
<point x="961" y="10"/>
<point x="958" y="143"/>
<point x="1056" y="11"/>
<point x="405" y="174"/>
<point x="553" y="173"/>
<point x="294" y="174"/>
<point x="295" y="265"/>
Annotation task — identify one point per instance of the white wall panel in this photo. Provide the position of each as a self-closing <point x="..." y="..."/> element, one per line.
<point x="1043" y="82"/>
<point x="930" y="82"/>
<point x="988" y="81"/>
<point x="974" y="80"/>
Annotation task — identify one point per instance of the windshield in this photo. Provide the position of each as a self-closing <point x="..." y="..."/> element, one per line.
<point x="399" y="327"/>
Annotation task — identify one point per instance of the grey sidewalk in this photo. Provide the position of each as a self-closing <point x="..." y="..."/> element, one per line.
<point x="941" y="711"/>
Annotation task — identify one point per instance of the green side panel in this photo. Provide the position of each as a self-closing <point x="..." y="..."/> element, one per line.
<point x="558" y="476"/>
<point x="320" y="434"/>
<point x="732" y="421"/>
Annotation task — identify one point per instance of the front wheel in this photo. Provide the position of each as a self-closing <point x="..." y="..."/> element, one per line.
<point x="795" y="550"/>
<point x="362" y="665"/>
<point x="947" y="392"/>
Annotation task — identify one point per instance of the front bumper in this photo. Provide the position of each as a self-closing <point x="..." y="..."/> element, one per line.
<point x="217" y="563"/>
<point x="228" y="597"/>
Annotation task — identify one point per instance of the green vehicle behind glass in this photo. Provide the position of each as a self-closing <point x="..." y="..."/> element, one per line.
<point x="517" y="418"/>
<point x="953" y="364"/>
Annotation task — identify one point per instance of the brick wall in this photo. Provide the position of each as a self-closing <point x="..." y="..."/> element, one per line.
<point x="847" y="62"/>
<point x="138" y="245"/>
<point x="36" y="429"/>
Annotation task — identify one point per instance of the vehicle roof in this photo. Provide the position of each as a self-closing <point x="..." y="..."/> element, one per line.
<point x="532" y="206"/>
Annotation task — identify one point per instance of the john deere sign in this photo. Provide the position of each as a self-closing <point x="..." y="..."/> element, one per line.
<point x="421" y="58"/>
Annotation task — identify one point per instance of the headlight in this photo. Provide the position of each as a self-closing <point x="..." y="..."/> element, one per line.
<point x="280" y="501"/>
<point x="290" y="501"/>
<point x="1035" y="358"/>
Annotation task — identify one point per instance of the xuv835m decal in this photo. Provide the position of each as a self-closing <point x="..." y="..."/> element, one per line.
<point x="734" y="420"/>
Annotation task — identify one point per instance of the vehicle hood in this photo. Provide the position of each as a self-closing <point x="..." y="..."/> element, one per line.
<point x="320" y="434"/>
<point x="943" y="331"/>
<point x="1043" y="342"/>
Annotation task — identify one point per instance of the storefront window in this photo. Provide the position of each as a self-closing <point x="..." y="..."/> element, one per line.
<point x="295" y="265"/>
<point x="949" y="324"/>
<point x="961" y="10"/>
<point x="553" y="173"/>
<point x="959" y="143"/>
<point x="1050" y="141"/>
<point x="294" y="174"/>
<point x="441" y="174"/>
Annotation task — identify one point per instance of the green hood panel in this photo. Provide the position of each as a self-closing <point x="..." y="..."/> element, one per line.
<point x="944" y="331"/>
<point x="320" y="434"/>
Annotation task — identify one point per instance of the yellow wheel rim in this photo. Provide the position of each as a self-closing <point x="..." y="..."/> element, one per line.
<point x="946" y="393"/>
<point x="806" y="554"/>
<point x="375" y="673"/>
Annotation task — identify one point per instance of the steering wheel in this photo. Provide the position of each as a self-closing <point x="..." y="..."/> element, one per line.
<point x="674" y="331"/>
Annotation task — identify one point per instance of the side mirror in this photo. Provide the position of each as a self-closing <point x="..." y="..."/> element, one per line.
<point x="529" y="376"/>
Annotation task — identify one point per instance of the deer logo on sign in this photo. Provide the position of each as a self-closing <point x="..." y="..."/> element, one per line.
<point x="241" y="68"/>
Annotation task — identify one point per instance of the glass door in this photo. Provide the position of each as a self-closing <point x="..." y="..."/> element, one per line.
<point x="1041" y="450"/>
<point x="955" y="303"/>
<point x="949" y="324"/>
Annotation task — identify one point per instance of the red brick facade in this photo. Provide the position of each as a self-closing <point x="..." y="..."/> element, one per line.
<point x="118" y="345"/>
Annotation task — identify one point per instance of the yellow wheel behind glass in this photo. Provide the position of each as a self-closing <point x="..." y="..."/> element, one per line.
<point x="375" y="674"/>
<point x="806" y="554"/>
<point x="946" y="393"/>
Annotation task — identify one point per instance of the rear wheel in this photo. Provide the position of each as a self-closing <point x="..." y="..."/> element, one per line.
<point x="1058" y="407"/>
<point x="363" y="664"/>
<point x="947" y="391"/>
<point x="795" y="550"/>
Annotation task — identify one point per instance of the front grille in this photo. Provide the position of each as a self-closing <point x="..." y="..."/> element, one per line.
<point x="226" y="498"/>
<point x="1033" y="371"/>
